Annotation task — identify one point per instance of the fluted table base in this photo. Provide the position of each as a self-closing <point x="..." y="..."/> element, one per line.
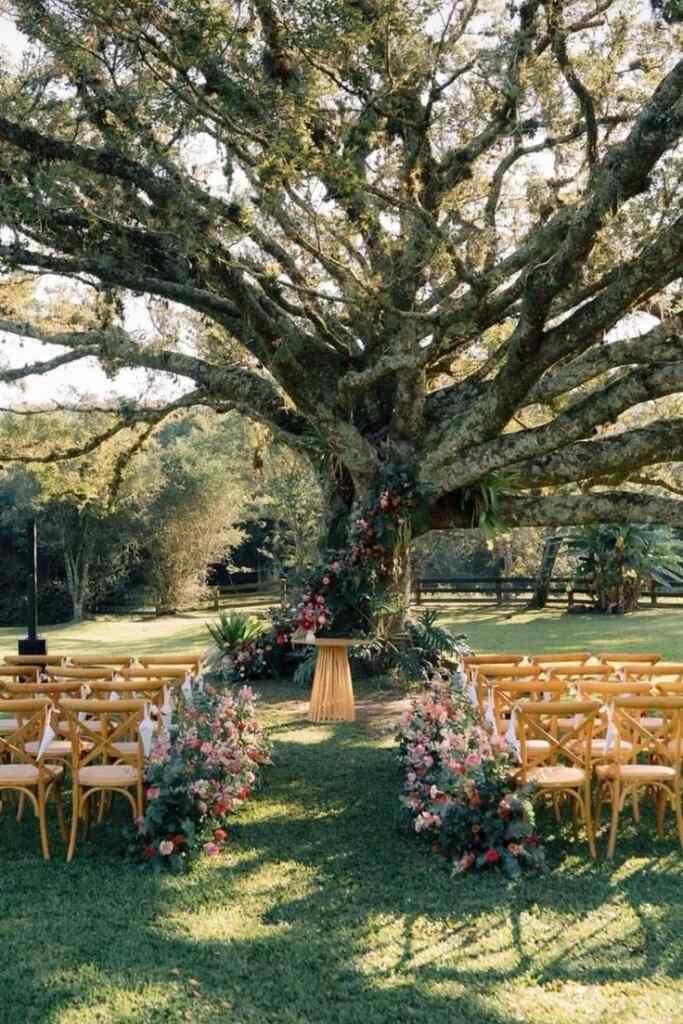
<point x="332" y="693"/>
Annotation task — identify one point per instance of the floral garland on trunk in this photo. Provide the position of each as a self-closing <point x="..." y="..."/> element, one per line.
<point x="347" y="594"/>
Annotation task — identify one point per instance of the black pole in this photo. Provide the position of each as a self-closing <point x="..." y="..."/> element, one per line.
<point x="32" y="537"/>
<point x="33" y="644"/>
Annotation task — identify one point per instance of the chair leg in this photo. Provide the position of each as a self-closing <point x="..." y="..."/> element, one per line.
<point x="75" y="813"/>
<point x="59" y="800"/>
<point x="614" y="823"/>
<point x="660" y="810"/>
<point x="43" y="825"/>
<point x="679" y="814"/>
<point x="575" y="818"/>
<point x="590" y="831"/>
<point x="556" y="808"/>
<point x="86" y="817"/>
<point x="634" y="805"/>
<point x="20" y="806"/>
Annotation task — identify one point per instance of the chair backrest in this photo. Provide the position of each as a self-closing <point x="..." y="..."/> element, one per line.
<point x="484" y="675"/>
<point x="49" y="689"/>
<point x="30" y="715"/>
<point x="662" y="670"/>
<point x="492" y="659"/>
<point x="85" y="661"/>
<point x="117" y="720"/>
<point x="28" y="672"/>
<point x="578" y="672"/>
<point x="182" y="659"/>
<point x="34" y="659"/>
<point x="142" y="689"/>
<point x="629" y="715"/>
<point x="84" y="674"/>
<point x="505" y="693"/>
<point x="540" y="720"/>
<point x="622" y="657"/>
<point x="563" y="658"/>
<point x="154" y="672"/>
<point x="608" y="689"/>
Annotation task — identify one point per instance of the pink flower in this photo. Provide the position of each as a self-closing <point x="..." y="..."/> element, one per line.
<point x="166" y="847"/>
<point x="210" y="849"/>
<point x="472" y="759"/>
<point x="201" y="807"/>
<point x="428" y="761"/>
<point x="246" y="693"/>
<point x="153" y="793"/>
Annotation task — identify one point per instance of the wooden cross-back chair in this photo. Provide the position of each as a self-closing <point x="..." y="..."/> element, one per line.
<point x="117" y="772"/>
<point x="663" y="670"/>
<point x="661" y="772"/>
<point x="619" y="658"/>
<point x="563" y="658"/>
<point x="564" y="767"/>
<point x="34" y="659"/>
<point x="184" y="659"/>
<point x="59" y="748"/>
<point x="505" y="693"/>
<point x="151" y="690"/>
<point x="109" y="661"/>
<point x="485" y="675"/>
<point x="24" y="773"/>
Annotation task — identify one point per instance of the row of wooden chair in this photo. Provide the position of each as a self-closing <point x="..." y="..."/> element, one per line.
<point x="94" y="706"/>
<point x="558" y="752"/>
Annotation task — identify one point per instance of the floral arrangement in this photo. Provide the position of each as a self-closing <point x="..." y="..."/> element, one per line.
<point x="457" y="786"/>
<point x="242" y="651"/>
<point x="394" y="508"/>
<point x="196" y="778"/>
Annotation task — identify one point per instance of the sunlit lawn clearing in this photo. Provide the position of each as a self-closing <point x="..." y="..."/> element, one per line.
<point x="322" y="912"/>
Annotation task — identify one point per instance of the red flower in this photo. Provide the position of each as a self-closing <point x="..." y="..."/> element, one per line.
<point x="178" y="840"/>
<point x="531" y="840"/>
<point x="219" y="808"/>
<point x="149" y="852"/>
<point x="243" y="793"/>
<point x="491" y="857"/>
<point x="220" y="835"/>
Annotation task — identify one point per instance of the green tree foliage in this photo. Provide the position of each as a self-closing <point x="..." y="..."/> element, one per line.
<point x="618" y="560"/>
<point x="394" y="232"/>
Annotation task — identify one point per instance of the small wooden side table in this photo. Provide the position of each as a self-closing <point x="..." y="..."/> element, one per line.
<point x="332" y="693"/>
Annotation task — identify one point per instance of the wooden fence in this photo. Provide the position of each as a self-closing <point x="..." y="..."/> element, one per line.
<point x="521" y="589"/>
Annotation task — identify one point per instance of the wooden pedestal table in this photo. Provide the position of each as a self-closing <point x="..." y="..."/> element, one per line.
<point x="332" y="693"/>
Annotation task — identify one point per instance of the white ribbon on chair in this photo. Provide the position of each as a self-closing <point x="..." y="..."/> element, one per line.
<point x="471" y="691"/>
<point x="167" y="711"/>
<point x="511" y="737"/>
<point x="186" y="689"/>
<point x="611" y="734"/>
<point x="135" y="662"/>
<point x="48" y="732"/>
<point x="200" y="682"/>
<point x="66" y="663"/>
<point x="146" y="730"/>
<point x="490" y="711"/>
<point x="85" y="693"/>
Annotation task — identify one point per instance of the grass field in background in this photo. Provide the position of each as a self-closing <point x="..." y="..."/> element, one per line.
<point x="322" y="912"/>
<point x="489" y="630"/>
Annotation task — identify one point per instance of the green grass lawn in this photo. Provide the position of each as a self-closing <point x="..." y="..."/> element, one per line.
<point x="322" y="912"/>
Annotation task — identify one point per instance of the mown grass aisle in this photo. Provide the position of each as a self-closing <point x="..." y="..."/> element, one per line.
<point x="321" y="912"/>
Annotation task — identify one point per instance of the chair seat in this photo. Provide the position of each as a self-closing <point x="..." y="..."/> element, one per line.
<point x="8" y="725"/>
<point x="537" y="748"/>
<point x="556" y="775"/>
<point x="125" y="748"/>
<point x="108" y="775"/>
<point x="24" y="774"/>
<point x="653" y="724"/>
<point x="635" y="772"/>
<point x="94" y="724"/>
<point x="566" y="723"/>
<point x="58" y="748"/>
<point x="599" y="749"/>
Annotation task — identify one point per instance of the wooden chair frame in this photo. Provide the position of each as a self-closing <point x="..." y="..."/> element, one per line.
<point x="539" y="719"/>
<point x="619" y="779"/>
<point x="118" y="719"/>
<point x="31" y="715"/>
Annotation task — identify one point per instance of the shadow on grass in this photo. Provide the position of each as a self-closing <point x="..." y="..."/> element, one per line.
<point x="323" y="912"/>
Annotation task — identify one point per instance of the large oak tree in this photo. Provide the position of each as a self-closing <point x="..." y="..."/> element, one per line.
<point x="404" y="230"/>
